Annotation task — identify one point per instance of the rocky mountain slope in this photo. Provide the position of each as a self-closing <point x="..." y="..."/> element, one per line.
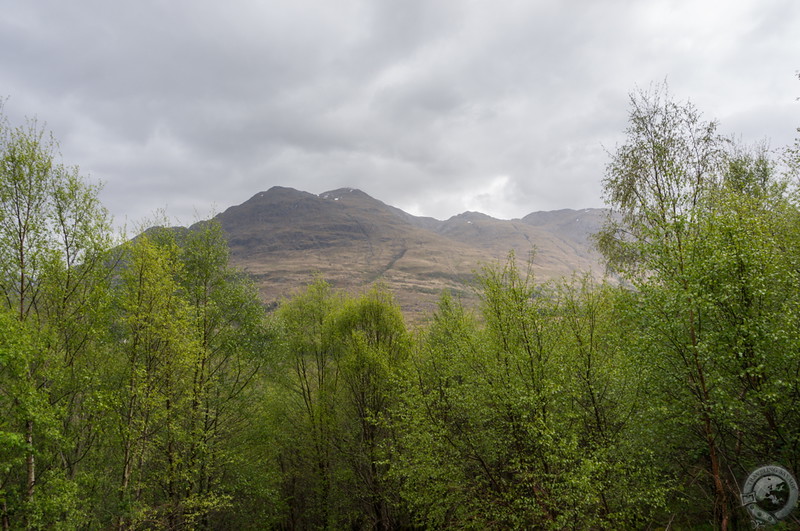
<point x="284" y="237"/>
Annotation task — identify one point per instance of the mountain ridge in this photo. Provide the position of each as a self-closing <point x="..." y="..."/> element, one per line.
<point x="284" y="237"/>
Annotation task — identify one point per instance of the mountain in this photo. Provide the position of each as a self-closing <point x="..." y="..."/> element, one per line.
<point x="283" y="237"/>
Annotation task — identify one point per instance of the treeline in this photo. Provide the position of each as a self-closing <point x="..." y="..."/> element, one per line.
<point x="144" y="386"/>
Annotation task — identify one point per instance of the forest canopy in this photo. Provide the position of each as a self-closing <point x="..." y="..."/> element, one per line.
<point x="143" y="385"/>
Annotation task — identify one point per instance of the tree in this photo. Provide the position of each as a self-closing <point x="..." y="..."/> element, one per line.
<point x="658" y="182"/>
<point x="53" y="233"/>
<point x="437" y="395"/>
<point x="130" y="371"/>
<point x="697" y="236"/>
<point x="149" y="391"/>
<point x="339" y="357"/>
<point x="310" y="381"/>
<point x="19" y="402"/>
<point x="371" y="347"/>
<point x="526" y="421"/>
<point x="188" y="341"/>
<point x="228" y="321"/>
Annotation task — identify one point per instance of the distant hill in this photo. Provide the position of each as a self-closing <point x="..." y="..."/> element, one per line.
<point x="283" y="237"/>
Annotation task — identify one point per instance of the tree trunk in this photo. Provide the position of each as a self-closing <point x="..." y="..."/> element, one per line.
<point x="6" y="523"/>
<point x="30" y="461"/>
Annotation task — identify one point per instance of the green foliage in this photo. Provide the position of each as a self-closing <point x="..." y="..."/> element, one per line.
<point x="18" y="400"/>
<point x="125" y="376"/>
<point x="227" y="320"/>
<point x="53" y="233"/>
<point x="523" y="422"/>
<point x="702" y="237"/>
<point x="189" y="341"/>
<point x="339" y="356"/>
<point x="144" y="387"/>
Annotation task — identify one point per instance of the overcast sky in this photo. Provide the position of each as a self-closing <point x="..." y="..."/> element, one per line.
<point x="437" y="107"/>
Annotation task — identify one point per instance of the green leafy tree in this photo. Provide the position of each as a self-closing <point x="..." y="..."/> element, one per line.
<point x="371" y="345"/>
<point x="607" y="405"/>
<point x="228" y="322"/>
<point x="53" y="233"/>
<point x="438" y="460"/>
<point x="339" y="355"/>
<point x="149" y="391"/>
<point x="309" y="391"/>
<point x="132" y="371"/>
<point x="659" y="181"/>
<point x="19" y="402"/>
<point x="698" y="235"/>
<point x="524" y="421"/>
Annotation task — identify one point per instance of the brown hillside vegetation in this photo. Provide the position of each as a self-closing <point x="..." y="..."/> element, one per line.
<point x="284" y="237"/>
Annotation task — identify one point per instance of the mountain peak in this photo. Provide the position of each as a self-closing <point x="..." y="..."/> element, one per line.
<point x="346" y="194"/>
<point x="282" y="237"/>
<point x="471" y="216"/>
<point x="276" y="194"/>
<point x="340" y="192"/>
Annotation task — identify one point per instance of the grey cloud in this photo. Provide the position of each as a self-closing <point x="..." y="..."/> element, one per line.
<point x="439" y="105"/>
